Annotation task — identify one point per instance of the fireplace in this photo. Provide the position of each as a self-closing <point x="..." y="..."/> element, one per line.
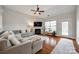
<point x="37" y="31"/>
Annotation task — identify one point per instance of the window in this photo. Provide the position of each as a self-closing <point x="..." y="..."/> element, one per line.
<point x="50" y="26"/>
<point x="64" y="28"/>
<point x="47" y="25"/>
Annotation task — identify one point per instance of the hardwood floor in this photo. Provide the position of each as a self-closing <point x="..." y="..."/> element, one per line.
<point x="47" y="48"/>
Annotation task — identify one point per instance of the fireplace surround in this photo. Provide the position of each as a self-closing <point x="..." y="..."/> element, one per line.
<point x="37" y="31"/>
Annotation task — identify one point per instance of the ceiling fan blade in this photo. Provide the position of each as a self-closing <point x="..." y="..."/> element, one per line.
<point x="33" y="10"/>
<point x="35" y="13"/>
<point x="41" y="11"/>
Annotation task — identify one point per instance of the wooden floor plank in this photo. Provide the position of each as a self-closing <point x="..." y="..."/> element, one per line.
<point x="47" y="48"/>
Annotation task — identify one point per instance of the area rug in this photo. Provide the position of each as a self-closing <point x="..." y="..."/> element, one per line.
<point x="65" y="46"/>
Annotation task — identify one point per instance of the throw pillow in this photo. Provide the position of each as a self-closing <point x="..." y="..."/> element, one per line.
<point x="13" y="40"/>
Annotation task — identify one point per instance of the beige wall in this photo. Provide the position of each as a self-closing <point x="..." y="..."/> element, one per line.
<point x="1" y="16"/>
<point x="13" y="20"/>
<point x="77" y="21"/>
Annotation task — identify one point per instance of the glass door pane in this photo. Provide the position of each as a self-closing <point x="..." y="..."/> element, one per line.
<point x="64" y="28"/>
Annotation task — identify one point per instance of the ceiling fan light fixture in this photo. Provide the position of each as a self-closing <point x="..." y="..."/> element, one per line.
<point x="38" y="11"/>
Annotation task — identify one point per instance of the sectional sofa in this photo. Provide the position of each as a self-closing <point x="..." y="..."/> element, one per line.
<point x="11" y="43"/>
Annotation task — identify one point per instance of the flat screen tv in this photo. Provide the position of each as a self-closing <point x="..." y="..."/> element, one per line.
<point x="37" y="24"/>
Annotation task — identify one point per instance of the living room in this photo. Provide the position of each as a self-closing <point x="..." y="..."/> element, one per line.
<point x="61" y="20"/>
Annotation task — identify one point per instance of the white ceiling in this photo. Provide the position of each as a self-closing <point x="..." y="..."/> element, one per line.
<point x="51" y="10"/>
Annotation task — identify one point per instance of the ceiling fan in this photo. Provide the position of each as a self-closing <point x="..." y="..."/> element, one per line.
<point x="37" y="10"/>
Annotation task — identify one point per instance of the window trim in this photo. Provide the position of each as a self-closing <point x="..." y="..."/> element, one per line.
<point x="50" y="26"/>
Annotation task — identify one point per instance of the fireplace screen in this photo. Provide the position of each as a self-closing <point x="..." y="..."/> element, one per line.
<point x="37" y="31"/>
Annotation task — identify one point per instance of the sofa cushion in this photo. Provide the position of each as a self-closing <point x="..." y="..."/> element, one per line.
<point x="4" y="43"/>
<point x="23" y="31"/>
<point x="27" y="34"/>
<point x="31" y="33"/>
<point x="34" y="39"/>
<point x="18" y="36"/>
<point x="5" y="34"/>
<point x="8" y="43"/>
<point x="26" y="39"/>
<point x="15" y="31"/>
<point x="13" y="40"/>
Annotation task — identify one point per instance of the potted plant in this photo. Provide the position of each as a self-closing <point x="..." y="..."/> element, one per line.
<point x="54" y="33"/>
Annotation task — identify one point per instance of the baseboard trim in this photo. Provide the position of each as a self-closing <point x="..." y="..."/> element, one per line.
<point x="67" y="37"/>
